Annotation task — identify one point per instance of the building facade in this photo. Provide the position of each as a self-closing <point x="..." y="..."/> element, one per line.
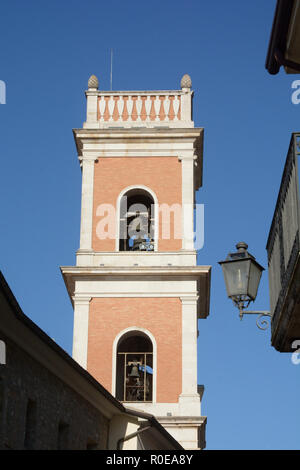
<point x="49" y="402"/>
<point x="283" y="245"/>
<point x="136" y="288"/>
<point x="284" y="43"/>
<point x="283" y="249"/>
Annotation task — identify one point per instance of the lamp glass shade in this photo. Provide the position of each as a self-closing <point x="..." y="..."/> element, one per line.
<point x="242" y="277"/>
<point x="242" y="274"/>
<point x="236" y="275"/>
<point x="254" y="279"/>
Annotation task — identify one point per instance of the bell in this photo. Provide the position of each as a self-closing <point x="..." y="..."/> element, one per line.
<point x="137" y="242"/>
<point x="134" y="372"/>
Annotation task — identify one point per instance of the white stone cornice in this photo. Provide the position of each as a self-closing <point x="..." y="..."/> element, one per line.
<point x="138" y="253"/>
<point x="137" y="294"/>
<point x="136" y="270"/>
<point x="89" y="157"/>
<point x="142" y="281"/>
<point x="92" y="92"/>
<point x="138" y="133"/>
<point x="189" y="299"/>
<point x="182" y="143"/>
<point x="187" y="156"/>
<point x="140" y="92"/>
<point x="83" y="251"/>
<point x="81" y="300"/>
<point x="129" y="258"/>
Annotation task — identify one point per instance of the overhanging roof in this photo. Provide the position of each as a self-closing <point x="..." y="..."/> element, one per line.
<point x="284" y="44"/>
<point x="16" y="325"/>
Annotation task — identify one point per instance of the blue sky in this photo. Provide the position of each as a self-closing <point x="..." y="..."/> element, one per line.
<point x="49" y="50"/>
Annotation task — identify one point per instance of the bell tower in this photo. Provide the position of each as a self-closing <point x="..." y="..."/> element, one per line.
<point x="136" y="289"/>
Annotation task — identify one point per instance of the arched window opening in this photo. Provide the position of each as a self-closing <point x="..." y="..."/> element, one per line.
<point x="136" y="221"/>
<point x="30" y="424"/>
<point x="134" y="372"/>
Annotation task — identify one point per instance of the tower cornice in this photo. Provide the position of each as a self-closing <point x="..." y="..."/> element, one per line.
<point x="183" y="143"/>
<point x="137" y="274"/>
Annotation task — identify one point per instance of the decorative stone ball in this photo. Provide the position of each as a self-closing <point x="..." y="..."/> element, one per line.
<point x="186" y="81"/>
<point x="93" y="82"/>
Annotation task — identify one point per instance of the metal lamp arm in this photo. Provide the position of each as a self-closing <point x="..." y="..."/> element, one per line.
<point x="261" y="324"/>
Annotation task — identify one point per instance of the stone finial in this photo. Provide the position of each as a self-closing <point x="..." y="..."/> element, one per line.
<point x="186" y="81"/>
<point x="93" y="82"/>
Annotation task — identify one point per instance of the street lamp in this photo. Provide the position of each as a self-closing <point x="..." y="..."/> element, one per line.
<point x="242" y="275"/>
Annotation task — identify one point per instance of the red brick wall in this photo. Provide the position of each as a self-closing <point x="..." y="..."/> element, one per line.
<point x="161" y="316"/>
<point x="160" y="174"/>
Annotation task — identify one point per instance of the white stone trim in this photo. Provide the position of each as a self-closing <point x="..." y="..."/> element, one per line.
<point x="127" y="258"/>
<point x="135" y="270"/>
<point x="91" y="108"/>
<point x="114" y="357"/>
<point x="116" y="143"/>
<point x="136" y="294"/>
<point x="87" y="196"/>
<point x="189" y="347"/>
<point x="186" y="105"/>
<point x="95" y="111"/>
<point x="80" y="329"/>
<point x="122" y="193"/>
<point x="138" y="287"/>
<point x="187" y="172"/>
<point x="190" y="407"/>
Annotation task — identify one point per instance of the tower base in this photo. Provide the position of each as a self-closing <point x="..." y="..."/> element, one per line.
<point x="189" y="431"/>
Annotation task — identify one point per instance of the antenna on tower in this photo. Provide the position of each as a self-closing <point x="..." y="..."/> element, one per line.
<point x="111" y="64"/>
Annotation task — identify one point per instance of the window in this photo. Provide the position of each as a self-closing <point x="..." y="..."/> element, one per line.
<point x="2" y="352"/>
<point x="1" y="400"/>
<point x="136" y="221"/>
<point x="134" y="377"/>
<point x="63" y="436"/>
<point x="30" y="425"/>
<point x="91" y="445"/>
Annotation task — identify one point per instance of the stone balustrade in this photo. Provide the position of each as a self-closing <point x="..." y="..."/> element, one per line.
<point x="171" y="108"/>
